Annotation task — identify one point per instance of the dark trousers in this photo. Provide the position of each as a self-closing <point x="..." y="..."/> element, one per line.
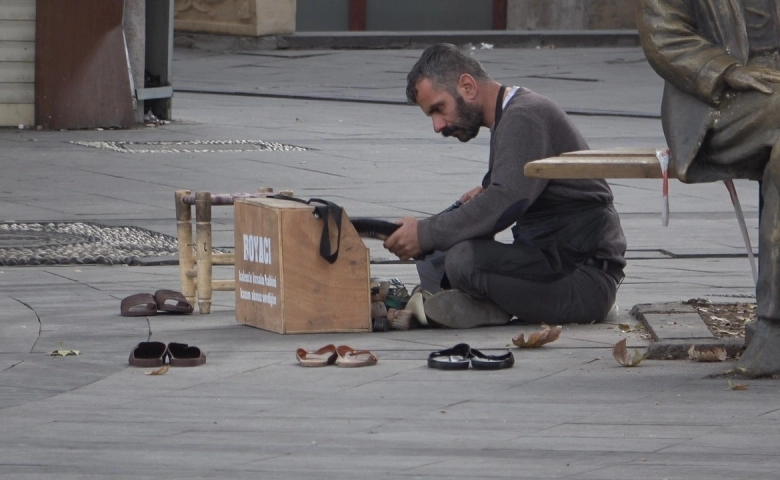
<point x="583" y="296"/>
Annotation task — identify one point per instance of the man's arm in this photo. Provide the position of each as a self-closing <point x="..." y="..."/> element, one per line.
<point x="471" y="194"/>
<point x="404" y="242"/>
<point x="677" y="50"/>
<point x="522" y="138"/>
<point x="743" y="78"/>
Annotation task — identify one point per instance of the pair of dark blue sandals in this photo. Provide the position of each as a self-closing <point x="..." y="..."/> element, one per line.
<point x="461" y="355"/>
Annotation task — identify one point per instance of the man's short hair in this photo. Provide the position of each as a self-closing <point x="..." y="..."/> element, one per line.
<point x="443" y="64"/>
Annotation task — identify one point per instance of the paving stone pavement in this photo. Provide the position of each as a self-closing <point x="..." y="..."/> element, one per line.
<point x="566" y="410"/>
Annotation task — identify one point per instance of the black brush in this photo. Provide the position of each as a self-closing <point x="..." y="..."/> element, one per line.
<point x="374" y="228"/>
<point x="381" y="229"/>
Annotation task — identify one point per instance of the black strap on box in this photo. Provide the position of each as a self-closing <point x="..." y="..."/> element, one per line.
<point x="324" y="211"/>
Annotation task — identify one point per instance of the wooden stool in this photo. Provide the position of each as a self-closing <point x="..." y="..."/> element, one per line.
<point x="197" y="283"/>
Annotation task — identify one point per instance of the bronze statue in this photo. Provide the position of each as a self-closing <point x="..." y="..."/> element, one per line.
<point x="721" y="118"/>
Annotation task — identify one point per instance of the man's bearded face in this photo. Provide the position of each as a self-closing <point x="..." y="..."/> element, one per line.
<point x="470" y="120"/>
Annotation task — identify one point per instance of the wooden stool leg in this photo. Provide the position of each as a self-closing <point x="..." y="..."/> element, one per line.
<point x="203" y="246"/>
<point x="184" y="237"/>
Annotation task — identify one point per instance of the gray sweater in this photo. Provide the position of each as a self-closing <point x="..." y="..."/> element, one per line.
<point x="531" y="127"/>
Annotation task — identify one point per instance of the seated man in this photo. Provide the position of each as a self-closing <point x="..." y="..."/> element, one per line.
<point x="567" y="258"/>
<point x="721" y="63"/>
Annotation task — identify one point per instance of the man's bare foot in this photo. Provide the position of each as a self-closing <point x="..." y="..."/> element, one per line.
<point x="762" y="356"/>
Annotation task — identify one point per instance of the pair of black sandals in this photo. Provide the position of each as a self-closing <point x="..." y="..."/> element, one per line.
<point x="461" y="355"/>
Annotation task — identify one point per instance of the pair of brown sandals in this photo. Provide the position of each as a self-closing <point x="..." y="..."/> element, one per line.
<point x="342" y="356"/>
<point x="155" y="354"/>
<point x="147" y="304"/>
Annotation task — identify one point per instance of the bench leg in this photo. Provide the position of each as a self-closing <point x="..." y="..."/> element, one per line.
<point x="742" y="226"/>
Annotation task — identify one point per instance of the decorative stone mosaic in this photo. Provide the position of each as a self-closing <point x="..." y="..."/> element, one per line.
<point x="193" y="146"/>
<point x="80" y="243"/>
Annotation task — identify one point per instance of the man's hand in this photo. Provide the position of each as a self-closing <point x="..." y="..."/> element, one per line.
<point x="751" y="78"/>
<point x="471" y="194"/>
<point x="404" y="242"/>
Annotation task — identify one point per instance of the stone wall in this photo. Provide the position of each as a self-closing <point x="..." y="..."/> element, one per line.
<point x="571" y="14"/>
<point x="17" y="62"/>
<point x="255" y="18"/>
<point x="235" y="17"/>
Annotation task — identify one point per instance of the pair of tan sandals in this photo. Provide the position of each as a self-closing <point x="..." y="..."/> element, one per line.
<point x="342" y="356"/>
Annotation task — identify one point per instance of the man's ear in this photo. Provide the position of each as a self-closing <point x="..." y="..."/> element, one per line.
<point x="467" y="86"/>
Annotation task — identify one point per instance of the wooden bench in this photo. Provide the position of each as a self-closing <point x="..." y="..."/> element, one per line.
<point x="624" y="163"/>
<point x="617" y="163"/>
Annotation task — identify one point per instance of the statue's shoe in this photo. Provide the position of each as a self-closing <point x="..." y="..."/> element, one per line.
<point x="762" y="356"/>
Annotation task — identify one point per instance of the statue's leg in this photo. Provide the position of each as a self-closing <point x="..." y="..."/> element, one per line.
<point x="745" y="143"/>
<point x="762" y="357"/>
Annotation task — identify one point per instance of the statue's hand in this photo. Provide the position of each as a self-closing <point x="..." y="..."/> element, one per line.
<point x="751" y="78"/>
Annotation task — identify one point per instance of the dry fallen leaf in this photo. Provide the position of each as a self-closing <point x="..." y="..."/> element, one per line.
<point x="61" y="352"/>
<point x="737" y="386"/>
<point x="704" y="354"/>
<point x="159" y="371"/>
<point x="555" y="332"/>
<point x="538" y="338"/>
<point x="534" y="340"/>
<point x="626" y="358"/>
